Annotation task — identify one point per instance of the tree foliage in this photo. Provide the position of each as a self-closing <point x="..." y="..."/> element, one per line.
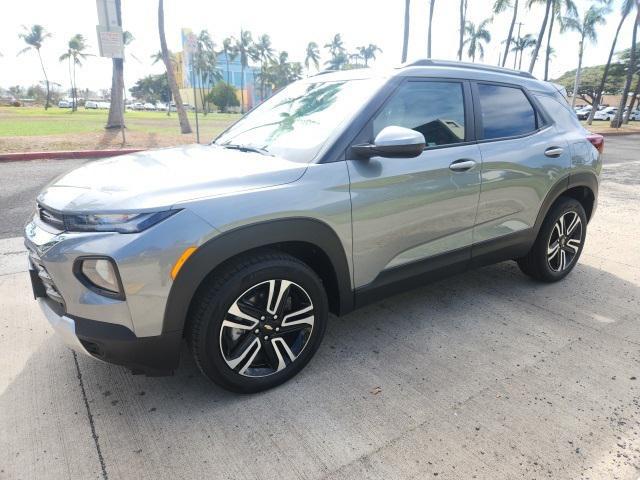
<point x="224" y="96"/>
<point x="152" y="88"/>
<point x="590" y="81"/>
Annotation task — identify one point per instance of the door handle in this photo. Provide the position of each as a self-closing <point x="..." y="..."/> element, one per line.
<point x="553" y="152"/>
<point x="462" y="165"/>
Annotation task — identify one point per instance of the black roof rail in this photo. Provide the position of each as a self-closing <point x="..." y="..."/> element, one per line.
<point x="474" y="66"/>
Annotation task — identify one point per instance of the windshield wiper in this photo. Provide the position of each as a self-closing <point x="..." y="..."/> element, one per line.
<point x="246" y="148"/>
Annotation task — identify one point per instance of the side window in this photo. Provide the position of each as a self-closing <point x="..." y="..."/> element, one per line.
<point x="435" y="109"/>
<point x="506" y="111"/>
<point x="564" y="118"/>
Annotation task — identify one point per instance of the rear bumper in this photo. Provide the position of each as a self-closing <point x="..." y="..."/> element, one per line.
<point x="157" y="355"/>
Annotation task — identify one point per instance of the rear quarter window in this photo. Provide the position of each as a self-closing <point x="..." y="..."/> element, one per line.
<point x="560" y="114"/>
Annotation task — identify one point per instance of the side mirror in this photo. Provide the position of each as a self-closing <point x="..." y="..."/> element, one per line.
<point x="393" y="142"/>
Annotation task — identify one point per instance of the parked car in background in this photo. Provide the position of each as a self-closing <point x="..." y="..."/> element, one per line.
<point x="375" y="185"/>
<point x="635" y="116"/>
<point x="65" y="104"/>
<point x="149" y="106"/>
<point x="90" y="104"/>
<point x="584" y="112"/>
<point x="137" y="106"/>
<point x="606" y="113"/>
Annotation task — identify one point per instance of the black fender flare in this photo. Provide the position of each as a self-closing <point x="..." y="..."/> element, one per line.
<point x="579" y="179"/>
<point x="234" y="242"/>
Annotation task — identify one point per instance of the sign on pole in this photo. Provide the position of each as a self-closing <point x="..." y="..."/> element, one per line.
<point x="110" y="39"/>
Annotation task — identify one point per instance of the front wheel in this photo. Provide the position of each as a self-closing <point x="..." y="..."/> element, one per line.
<point x="258" y="322"/>
<point x="559" y="243"/>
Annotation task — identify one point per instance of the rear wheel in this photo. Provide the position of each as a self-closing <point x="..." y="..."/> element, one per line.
<point x="559" y="243"/>
<point x="259" y="322"/>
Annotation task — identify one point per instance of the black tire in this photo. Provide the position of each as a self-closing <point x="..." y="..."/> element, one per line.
<point x="537" y="263"/>
<point x="249" y="283"/>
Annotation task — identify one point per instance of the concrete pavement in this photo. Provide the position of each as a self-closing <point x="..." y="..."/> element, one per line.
<point x="485" y="375"/>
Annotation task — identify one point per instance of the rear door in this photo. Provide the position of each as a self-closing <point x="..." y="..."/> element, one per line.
<point x="523" y="156"/>
<point x="409" y="209"/>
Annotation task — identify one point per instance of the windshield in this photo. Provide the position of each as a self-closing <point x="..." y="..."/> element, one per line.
<point x="297" y="121"/>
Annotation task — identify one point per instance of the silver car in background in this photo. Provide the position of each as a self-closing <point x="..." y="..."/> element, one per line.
<point x="337" y="191"/>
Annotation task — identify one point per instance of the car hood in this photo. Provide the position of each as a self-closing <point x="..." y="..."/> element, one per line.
<point x="156" y="179"/>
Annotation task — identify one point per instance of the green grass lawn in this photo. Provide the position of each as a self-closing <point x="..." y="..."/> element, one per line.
<point x="26" y="121"/>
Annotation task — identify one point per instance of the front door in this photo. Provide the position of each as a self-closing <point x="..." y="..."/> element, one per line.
<point x="409" y="209"/>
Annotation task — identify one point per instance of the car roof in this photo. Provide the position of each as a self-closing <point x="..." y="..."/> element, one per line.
<point x="444" y="69"/>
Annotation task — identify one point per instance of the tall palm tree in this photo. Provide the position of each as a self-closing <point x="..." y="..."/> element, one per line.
<point x="74" y="55"/>
<point x="230" y="54"/>
<point x="559" y="10"/>
<point x="631" y="70"/>
<point x="498" y="7"/>
<point x="34" y="37"/>
<point x="586" y="27"/>
<point x="520" y="45"/>
<point x="432" y="4"/>
<point x="185" y="126"/>
<point x="543" y="28"/>
<point x="405" y="38"/>
<point x="243" y="46"/>
<point x="463" y="22"/>
<point x="312" y="56"/>
<point x="263" y="52"/>
<point x="627" y="7"/>
<point x="475" y="37"/>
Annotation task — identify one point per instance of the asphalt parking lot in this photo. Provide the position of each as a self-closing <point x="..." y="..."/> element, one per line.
<point x="486" y="375"/>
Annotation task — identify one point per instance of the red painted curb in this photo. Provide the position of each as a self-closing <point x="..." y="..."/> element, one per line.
<point x="58" y="155"/>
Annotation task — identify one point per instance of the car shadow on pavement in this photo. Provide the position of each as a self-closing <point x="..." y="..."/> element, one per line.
<point x="420" y="353"/>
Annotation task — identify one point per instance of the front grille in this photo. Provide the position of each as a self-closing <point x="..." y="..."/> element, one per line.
<point x="50" y="288"/>
<point x="50" y="217"/>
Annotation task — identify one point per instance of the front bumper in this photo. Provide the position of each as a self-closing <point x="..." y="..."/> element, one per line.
<point x="157" y="355"/>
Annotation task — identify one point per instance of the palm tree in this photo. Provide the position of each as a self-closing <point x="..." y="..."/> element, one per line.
<point x="431" y="6"/>
<point x="631" y="70"/>
<point x="229" y="50"/>
<point x="74" y="55"/>
<point x="185" y="126"/>
<point x="543" y="28"/>
<point x="263" y="52"/>
<point x="498" y="7"/>
<point x="475" y="37"/>
<point x="205" y="65"/>
<point x="559" y="10"/>
<point x="627" y="7"/>
<point x="520" y="45"/>
<point x="312" y="55"/>
<point x="243" y="47"/>
<point x="157" y="57"/>
<point x="368" y="53"/>
<point x="338" y="53"/>
<point x="586" y="27"/>
<point x="34" y="37"/>
<point x="405" y="38"/>
<point x="463" y="22"/>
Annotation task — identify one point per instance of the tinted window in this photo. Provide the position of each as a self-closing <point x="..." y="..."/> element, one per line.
<point x="562" y="115"/>
<point x="435" y="109"/>
<point x="506" y="111"/>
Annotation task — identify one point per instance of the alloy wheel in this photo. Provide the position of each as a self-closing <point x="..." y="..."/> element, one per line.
<point x="564" y="242"/>
<point x="266" y="328"/>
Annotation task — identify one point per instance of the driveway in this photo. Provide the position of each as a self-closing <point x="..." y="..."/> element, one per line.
<point x="486" y="375"/>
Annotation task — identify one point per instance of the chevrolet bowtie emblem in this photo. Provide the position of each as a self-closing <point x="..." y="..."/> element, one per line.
<point x="268" y="327"/>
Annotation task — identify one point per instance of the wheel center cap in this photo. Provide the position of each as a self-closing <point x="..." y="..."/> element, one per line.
<point x="268" y="327"/>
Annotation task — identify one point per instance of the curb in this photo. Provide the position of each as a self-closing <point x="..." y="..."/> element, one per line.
<point x="618" y="134"/>
<point x="59" y="155"/>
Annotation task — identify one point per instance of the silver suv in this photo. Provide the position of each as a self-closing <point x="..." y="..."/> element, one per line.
<point x="339" y="190"/>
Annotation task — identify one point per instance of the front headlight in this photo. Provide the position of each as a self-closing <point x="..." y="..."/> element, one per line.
<point x="115" y="222"/>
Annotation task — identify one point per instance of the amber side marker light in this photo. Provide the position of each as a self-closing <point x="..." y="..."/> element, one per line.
<point x="180" y="262"/>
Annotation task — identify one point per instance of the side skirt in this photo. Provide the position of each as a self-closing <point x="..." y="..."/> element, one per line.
<point x="416" y="274"/>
